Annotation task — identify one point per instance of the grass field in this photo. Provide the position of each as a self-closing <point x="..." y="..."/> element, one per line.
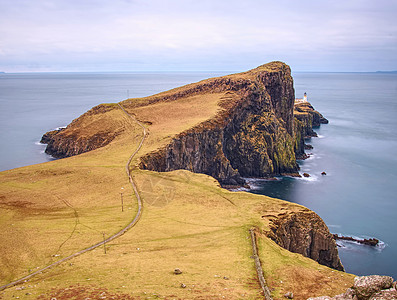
<point x="51" y="210"/>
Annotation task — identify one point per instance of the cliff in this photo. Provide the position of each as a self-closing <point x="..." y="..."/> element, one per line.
<point x="305" y="233"/>
<point x="305" y="119"/>
<point x="86" y="133"/>
<point x="253" y="136"/>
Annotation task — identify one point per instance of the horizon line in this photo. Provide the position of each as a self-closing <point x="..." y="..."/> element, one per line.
<point x="180" y="71"/>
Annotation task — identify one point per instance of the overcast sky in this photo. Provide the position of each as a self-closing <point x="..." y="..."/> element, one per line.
<point x="197" y="35"/>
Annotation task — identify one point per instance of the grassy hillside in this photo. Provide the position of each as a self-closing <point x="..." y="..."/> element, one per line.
<point x="51" y="210"/>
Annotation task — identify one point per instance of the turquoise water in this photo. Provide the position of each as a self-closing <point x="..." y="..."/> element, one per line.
<point x="357" y="149"/>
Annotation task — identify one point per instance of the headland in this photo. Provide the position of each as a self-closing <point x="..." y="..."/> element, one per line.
<point x="201" y="136"/>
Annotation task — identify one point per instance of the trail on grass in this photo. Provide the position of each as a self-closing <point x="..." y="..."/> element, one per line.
<point x="111" y="238"/>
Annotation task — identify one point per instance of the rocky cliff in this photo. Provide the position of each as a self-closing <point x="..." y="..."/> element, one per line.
<point x="306" y="118"/>
<point x="306" y="233"/>
<point x="253" y="136"/>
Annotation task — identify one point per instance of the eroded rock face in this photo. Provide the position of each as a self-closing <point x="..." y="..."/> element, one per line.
<point x="254" y="137"/>
<point x="306" y="118"/>
<point x="199" y="151"/>
<point x="306" y="233"/>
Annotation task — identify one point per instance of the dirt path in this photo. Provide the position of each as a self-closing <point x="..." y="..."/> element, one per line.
<point x="111" y="238"/>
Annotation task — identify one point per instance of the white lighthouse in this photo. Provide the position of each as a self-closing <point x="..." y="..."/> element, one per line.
<point x="305" y="97"/>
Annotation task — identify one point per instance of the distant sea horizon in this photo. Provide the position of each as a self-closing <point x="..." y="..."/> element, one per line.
<point x="356" y="149"/>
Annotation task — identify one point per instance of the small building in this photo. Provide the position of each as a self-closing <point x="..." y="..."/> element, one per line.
<point x="301" y="100"/>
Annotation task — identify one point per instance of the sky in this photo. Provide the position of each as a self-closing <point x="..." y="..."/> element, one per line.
<point x="197" y="35"/>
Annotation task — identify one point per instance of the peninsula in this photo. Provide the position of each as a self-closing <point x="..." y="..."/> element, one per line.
<point x="196" y="139"/>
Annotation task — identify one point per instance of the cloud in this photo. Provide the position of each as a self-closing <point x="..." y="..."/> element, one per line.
<point x="195" y="34"/>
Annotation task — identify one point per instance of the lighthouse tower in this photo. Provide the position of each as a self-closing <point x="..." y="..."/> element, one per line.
<point x="304" y="97"/>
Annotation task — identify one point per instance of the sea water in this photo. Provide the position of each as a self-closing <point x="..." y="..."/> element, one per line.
<point x="357" y="149"/>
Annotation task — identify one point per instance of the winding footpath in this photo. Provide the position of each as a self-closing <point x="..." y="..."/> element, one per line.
<point x="111" y="238"/>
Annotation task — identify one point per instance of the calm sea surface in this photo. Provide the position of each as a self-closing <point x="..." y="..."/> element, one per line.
<point x="357" y="149"/>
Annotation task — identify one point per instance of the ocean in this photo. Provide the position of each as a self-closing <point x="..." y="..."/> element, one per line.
<point x="357" y="149"/>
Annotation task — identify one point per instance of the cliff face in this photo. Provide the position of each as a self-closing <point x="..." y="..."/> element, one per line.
<point x="306" y="233"/>
<point x="252" y="136"/>
<point x="306" y="118"/>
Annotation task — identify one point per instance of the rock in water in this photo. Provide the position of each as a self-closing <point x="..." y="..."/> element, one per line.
<point x="365" y="286"/>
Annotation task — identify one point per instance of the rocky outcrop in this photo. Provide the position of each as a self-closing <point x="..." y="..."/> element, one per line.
<point x="366" y="286"/>
<point x="196" y="150"/>
<point x="305" y="233"/>
<point x="369" y="242"/>
<point x="306" y="118"/>
<point x="373" y="287"/>
<point x="81" y="135"/>
<point x="252" y="137"/>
